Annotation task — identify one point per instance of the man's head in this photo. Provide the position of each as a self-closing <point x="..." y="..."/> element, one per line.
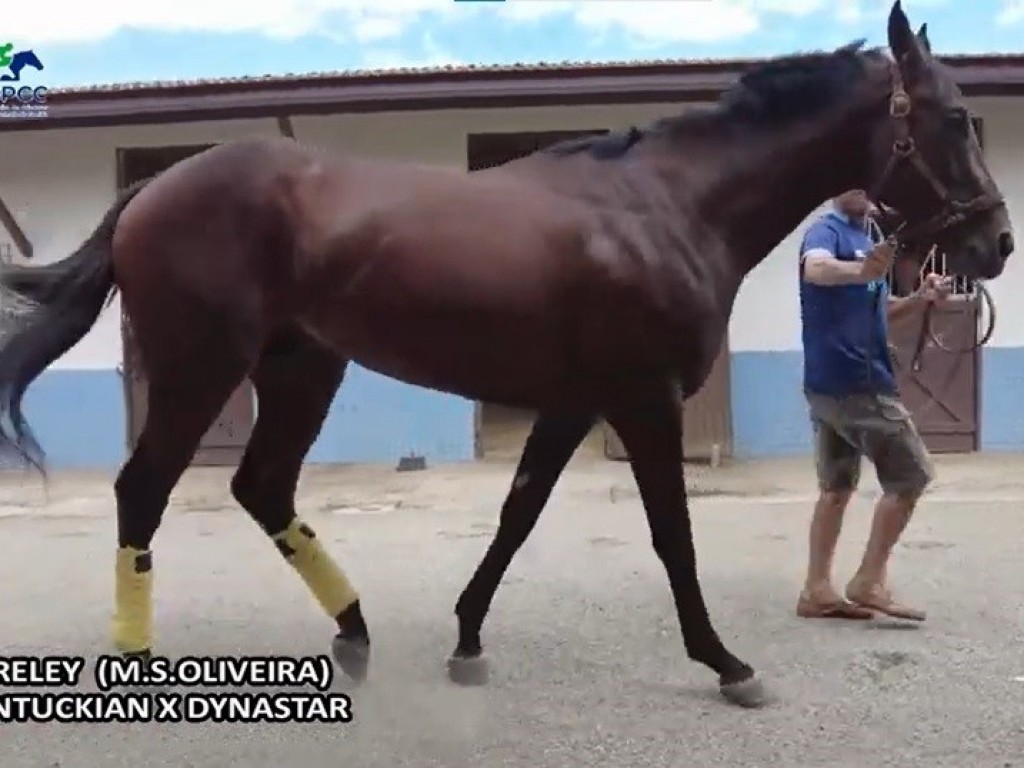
<point x="853" y="203"/>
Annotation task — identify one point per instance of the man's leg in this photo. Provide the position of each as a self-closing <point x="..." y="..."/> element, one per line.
<point x="837" y="462"/>
<point x="904" y="470"/>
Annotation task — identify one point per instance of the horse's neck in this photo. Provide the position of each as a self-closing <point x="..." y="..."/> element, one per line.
<point x="760" y="188"/>
<point x="783" y="187"/>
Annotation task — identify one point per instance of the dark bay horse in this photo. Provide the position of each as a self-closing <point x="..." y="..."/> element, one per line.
<point x="593" y="279"/>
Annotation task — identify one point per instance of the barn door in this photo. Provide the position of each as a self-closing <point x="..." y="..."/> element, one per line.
<point x="942" y="396"/>
<point x="225" y="440"/>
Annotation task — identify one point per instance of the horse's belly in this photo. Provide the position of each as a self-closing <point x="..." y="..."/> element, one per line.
<point x="453" y="352"/>
<point x="501" y="338"/>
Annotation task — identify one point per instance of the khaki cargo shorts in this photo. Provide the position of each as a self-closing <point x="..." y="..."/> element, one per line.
<point x="876" y="426"/>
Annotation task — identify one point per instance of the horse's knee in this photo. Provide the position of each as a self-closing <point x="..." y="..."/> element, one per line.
<point x="265" y="500"/>
<point x="140" y="504"/>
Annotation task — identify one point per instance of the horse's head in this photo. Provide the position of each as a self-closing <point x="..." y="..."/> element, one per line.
<point x="31" y="60"/>
<point x="929" y="163"/>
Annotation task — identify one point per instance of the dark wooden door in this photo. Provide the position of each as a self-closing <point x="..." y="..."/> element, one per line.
<point x="942" y="396"/>
<point x="225" y="440"/>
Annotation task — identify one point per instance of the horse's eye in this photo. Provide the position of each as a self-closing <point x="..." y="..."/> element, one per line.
<point x="959" y="121"/>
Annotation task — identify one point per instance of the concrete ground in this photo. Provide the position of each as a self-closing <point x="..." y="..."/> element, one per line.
<point x="588" y="665"/>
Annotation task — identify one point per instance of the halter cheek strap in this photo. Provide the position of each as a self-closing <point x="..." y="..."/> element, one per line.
<point x="904" y="149"/>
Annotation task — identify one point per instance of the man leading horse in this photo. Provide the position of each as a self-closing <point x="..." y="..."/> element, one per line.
<point x="855" y="405"/>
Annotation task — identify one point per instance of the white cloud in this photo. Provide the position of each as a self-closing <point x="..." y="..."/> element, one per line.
<point x="378" y="21"/>
<point x="1012" y="11"/>
<point x="396" y="58"/>
<point x="663" y="20"/>
<point x="857" y="11"/>
<point x="368" y="30"/>
<point x="50" y="21"/>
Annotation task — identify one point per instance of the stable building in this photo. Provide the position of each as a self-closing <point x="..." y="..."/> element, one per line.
<point x="60" y="172"/>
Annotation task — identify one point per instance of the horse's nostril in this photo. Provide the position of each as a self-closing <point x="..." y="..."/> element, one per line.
<point x="1005" y="244"/>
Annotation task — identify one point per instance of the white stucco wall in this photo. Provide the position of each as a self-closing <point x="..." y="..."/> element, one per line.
<point x="771" y="290"/>
<point x="59" y="183"/>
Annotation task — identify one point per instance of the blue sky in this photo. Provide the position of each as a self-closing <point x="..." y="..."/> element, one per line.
<point x="115" y="41"/>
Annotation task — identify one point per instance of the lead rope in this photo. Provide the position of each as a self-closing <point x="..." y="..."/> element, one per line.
<point x="877" y="236"/>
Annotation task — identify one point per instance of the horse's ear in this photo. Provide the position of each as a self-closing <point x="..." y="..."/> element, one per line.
<point x="903" y="43"/>
<point x="922" y="38"/>
<point x="852" y="47"/>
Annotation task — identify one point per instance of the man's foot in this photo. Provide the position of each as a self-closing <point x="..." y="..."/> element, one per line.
<point x="827" y="604"/>
<point x="878" y="598"/>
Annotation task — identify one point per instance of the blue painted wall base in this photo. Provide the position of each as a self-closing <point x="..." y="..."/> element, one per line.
<point x="1002" y="399"/>
<point x="377" y="419"/>
<point x="769" y="412"/>
<point x="79" y="418"/>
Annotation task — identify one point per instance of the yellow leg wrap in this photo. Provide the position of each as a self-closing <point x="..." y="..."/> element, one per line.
<point x="328" y="583"/>
<point x="133" y="600"/>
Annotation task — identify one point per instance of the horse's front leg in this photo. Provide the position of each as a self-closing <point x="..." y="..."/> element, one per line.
<point x="549" y="447"/>
<point x="648" y="420"/>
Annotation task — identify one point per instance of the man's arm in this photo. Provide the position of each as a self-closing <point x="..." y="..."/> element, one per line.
<point x="935" y="287"/>
<point x="821" y="267"/>
<point x="904" y="305"/>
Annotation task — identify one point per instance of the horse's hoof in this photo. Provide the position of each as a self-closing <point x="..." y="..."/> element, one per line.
<point x="750" y="693"/>
<point x="468" y="670"/>
<point x="352" y="655"/>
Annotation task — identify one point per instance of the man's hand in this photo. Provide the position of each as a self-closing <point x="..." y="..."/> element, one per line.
<point x="935" y="287"/>
<point x="877" y="262"/>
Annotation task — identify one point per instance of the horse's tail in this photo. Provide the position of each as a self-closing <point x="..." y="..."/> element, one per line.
<point x="44" y="312"/>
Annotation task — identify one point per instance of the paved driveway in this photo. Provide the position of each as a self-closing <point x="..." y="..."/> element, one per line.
<point x="589" y="668"/>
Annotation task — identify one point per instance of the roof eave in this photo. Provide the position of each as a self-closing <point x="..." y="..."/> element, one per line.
<point x="449" y="90"/>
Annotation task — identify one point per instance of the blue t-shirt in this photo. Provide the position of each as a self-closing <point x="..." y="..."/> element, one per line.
<point x="845" y="327"/>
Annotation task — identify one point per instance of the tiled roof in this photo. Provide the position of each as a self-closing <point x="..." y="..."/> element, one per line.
<point x="570" y="83"/>
<point x="484" y="70"/>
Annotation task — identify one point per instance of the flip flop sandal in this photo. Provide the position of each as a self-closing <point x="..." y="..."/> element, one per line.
<point x="839" y="609"/>
<point x="889" y="607"/>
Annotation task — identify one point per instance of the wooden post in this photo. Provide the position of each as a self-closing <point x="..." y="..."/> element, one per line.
<point x="15" y="231"/>
<point x="284" y="125"/>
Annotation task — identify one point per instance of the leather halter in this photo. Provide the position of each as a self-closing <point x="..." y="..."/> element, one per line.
<point x="951" y="213"/>
<point x="904" y="148"/>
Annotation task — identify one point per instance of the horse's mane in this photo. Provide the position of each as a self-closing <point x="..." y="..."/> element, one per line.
<point x="776" y="92"/>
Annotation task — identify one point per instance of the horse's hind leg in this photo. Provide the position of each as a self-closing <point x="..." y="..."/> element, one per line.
<point x="296" y="379"/>
<point x="189" y="380"/>
<point x="650" y="425"/>
<point x="552" y="442"/>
